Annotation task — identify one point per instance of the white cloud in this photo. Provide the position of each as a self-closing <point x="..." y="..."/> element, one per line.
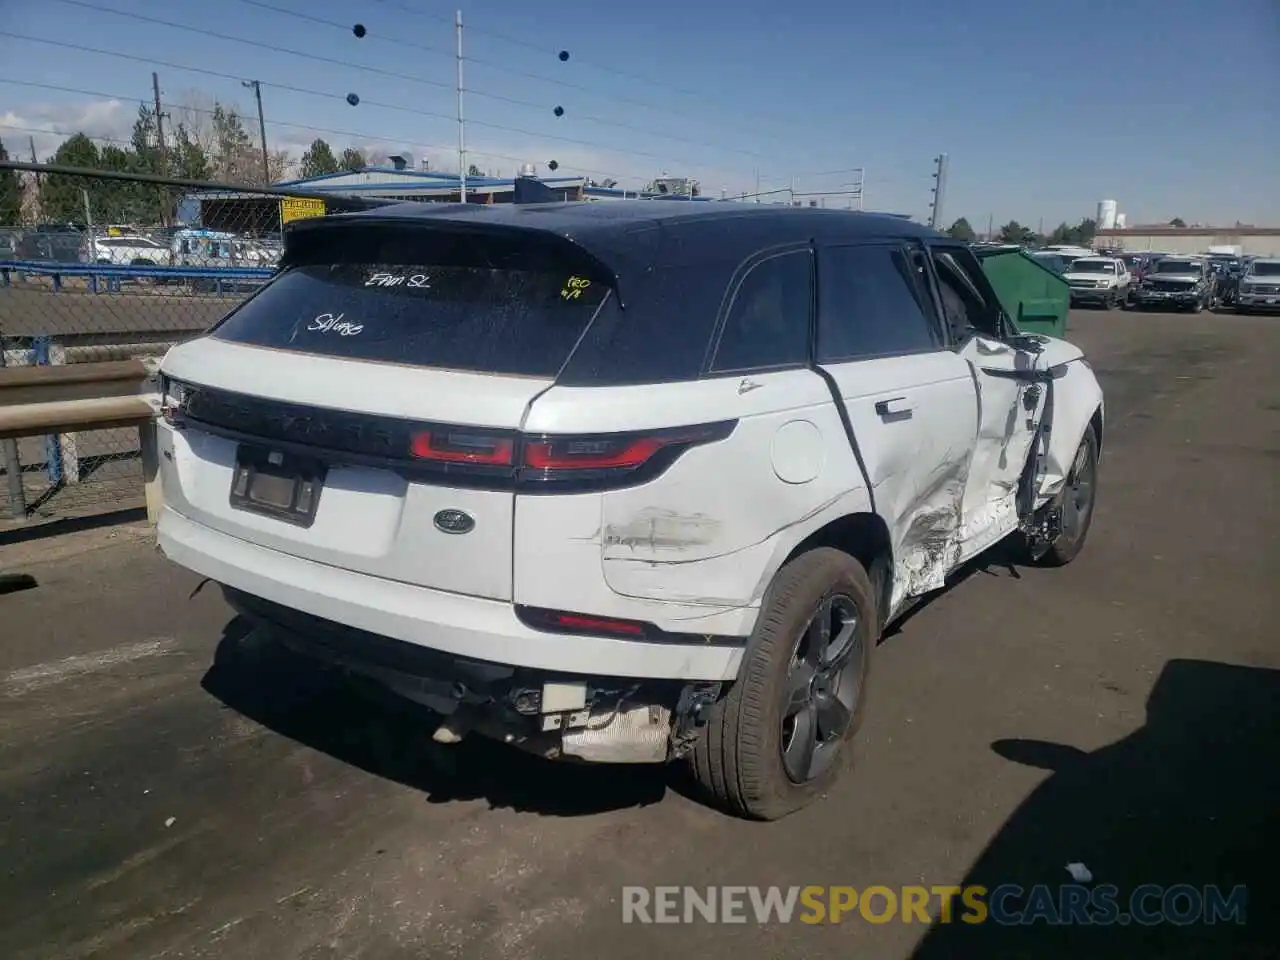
<point x="111" y="119"/>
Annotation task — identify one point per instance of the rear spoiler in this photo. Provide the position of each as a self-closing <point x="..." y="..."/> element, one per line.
<point x="300" y="230"/>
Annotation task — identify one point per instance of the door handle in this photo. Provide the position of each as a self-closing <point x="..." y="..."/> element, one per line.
<point x="893" y="407"/>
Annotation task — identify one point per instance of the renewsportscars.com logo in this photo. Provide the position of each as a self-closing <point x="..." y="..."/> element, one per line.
<point x="1068" y="904"/>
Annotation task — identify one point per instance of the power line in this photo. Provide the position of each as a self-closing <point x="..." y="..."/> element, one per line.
<point x="411" y="78"/>
<point x="346" y="133"/>
<point x="350" y="134"/>
<point x="201" y="31"/>
<point x="529" y="45"/>
<point x="524" y="74"/>
<point x="61" y="133"/>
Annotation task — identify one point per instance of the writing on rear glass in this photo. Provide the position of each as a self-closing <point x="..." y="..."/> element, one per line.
<point x="573" y="288"/>
<point x="417" y="281"/>
<point x="334" y="323"/>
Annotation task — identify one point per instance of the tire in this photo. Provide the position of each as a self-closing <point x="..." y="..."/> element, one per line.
<point x="739" y="759"/>
<point x="1110" y="302"/>
<point x="1075" y="531"/>
<point x="1199" y="307"/>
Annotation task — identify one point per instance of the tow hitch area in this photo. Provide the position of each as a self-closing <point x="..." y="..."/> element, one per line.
<point x="591" y="720"/>
<point x="595" y="719"/>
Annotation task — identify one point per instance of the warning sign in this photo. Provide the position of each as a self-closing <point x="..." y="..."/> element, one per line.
<point x="298" y="208"/>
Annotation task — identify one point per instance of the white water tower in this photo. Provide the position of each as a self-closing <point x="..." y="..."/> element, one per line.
<point x="1106" y="215"/>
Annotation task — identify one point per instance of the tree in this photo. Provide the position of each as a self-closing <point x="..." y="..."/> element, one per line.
<point x="1081" y="235"/>
<point x="1177" y="222"/>
<point x="319" y="160"/>
<point x="1014" y="232"/>
<point x="234" y="158"/>
<point x="960" y="230"/>
<point x="474" y="171"/>
<point x="62" y="196"/>
<point x="352" y="160"/>
<point x="10" y="195"/>
<point x="187" y="158"/>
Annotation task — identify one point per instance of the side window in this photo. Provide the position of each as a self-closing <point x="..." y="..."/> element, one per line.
<point x="873" y="301"/>
<point x="967" y="298"/>
<point x="768" y="320"/>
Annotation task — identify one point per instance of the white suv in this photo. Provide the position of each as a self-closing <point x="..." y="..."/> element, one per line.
<point x="620" y="482"/>
<point x="130" y="251"/>
<point x="1101" y="280"/>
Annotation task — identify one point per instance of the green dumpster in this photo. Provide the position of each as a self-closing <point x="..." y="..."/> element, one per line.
<point x="1032" y="294"/>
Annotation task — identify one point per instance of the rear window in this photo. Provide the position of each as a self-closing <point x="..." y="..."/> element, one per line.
<point x="471" y="317"/>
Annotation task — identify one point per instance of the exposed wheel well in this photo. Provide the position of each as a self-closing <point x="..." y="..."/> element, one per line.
<point x="1096" y="423"/>
<point x="865" y="537"/>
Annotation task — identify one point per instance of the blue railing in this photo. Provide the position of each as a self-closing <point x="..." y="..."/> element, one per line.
<point x="107" y="277"/>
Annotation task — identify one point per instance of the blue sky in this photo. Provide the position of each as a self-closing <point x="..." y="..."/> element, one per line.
<point x="1171" y="108"/>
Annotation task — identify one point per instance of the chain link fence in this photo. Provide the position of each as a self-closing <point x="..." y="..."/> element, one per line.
<point x="116" y="268"/>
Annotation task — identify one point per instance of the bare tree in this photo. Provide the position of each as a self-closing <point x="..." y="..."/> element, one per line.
<point x="281" y="165"/>
<point x="193" y="109"/>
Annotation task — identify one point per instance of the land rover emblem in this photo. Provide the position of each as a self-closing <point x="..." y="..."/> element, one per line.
<point x="454" y="521"/>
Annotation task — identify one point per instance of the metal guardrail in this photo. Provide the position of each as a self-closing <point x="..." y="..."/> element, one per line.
<point x="59" y="400"/>
<point x="107" y="278"/>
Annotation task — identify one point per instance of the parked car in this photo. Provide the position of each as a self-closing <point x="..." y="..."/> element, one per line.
<point x="217" y="250"/>
<point x="1180" y="282"/>
<point x="129" y="250"/>
<point x="1054" y="261"/>
<point x="1098" y="280"/>
<point x="51" y="246"/>
<point x="1259" y="286"/>
<point x="621" y="482"/>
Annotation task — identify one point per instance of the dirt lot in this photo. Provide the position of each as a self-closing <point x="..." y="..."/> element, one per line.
<point x="158" y="800"/>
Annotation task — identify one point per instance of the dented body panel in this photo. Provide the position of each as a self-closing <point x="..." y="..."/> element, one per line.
<point x="705" y="531"/>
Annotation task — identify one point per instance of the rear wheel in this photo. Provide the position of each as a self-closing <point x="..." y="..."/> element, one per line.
<point x="780" y="738"/>
<point x="1076" y="503"/>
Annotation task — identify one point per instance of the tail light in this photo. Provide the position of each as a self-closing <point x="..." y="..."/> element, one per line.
<point x="463" y="446"/>
<point x="173" y="397"/>
<point x="601" y="461"/>
<point x="561" y="621"/>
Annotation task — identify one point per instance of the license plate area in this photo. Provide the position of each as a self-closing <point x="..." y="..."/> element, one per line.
<point x="275" y="484"/>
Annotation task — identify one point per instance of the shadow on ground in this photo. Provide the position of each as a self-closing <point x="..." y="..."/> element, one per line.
<point x="1193" y="797"/>
<point x="390" y="737"/>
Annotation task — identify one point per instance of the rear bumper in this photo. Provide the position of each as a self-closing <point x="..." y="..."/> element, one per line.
<point x="469" y="627"/>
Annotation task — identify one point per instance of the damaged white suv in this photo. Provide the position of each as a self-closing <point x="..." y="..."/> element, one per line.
<point x="620" y="482"/>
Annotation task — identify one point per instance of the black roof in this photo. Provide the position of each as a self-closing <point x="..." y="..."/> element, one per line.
<point x="631" y="236"/>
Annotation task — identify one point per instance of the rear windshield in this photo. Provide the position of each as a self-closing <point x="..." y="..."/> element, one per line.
<point x="468" y="317"/>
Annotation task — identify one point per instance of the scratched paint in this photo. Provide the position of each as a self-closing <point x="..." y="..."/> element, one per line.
<point x="655" y="530"/>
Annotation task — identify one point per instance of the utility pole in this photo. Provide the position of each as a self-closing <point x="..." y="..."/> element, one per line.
<point x="939" y="190"/>
<point x="161" y="150"/>
<point x="462" y="139"/>
<point x="256" y="87"/>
